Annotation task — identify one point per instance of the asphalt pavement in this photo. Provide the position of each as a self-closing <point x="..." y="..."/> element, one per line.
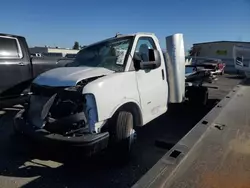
<point x="26" y="164"/>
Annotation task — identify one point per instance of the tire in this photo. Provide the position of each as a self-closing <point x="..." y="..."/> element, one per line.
<point x="198" y="96"/>
<point x="122" y="134"/>
<point x="203" y="96"/>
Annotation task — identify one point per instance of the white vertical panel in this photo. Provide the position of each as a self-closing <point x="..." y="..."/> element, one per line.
<point x="175" y="62"/>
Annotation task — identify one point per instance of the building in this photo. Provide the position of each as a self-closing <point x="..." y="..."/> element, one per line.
<point x="219" y="49"/>
<point x="49" y="51"/>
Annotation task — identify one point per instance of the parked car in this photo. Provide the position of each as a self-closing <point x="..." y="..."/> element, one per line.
<point x="18" y="67"/>
<point x="216" y="65"/>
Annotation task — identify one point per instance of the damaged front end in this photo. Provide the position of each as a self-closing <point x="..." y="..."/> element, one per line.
<point x="62" y="115"/>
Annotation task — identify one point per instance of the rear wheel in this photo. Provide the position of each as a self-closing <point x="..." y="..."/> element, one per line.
<point x="204" y="96"/>
<point x="122" y="134"/>
<point x="198" y="96"/>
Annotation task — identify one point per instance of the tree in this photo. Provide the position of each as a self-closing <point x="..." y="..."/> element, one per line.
<point x="190" y="52"/>
<point x="76" y="46"/>
<point x="194" y="51"/>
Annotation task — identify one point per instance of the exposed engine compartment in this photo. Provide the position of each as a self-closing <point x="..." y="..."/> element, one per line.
<point x="65" y="103"/>
<point x="59" y="110"/>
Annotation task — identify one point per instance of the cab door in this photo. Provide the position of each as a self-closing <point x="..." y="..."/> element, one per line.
<point x="14" y="67"/>
<point x="152" y="85"/>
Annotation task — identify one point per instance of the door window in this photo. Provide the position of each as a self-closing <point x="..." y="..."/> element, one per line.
<point x="143" y="44"/>
<point x="8" y="48"/>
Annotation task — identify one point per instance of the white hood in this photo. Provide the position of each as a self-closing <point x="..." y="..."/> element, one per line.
<point x="69" y="76"/>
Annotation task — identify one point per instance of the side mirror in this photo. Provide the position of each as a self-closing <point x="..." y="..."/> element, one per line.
<point x="153" y="63"/>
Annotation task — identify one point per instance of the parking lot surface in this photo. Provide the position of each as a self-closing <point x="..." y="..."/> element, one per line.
<point x="25" y="164"/>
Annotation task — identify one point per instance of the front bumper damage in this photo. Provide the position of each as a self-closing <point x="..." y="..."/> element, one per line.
<point x="56" y="121"/>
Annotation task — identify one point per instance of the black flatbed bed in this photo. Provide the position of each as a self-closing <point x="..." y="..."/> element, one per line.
<point x="215" y="153"/>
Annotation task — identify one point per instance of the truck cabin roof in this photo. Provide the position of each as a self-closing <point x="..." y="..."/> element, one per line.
<point x="121" y="36"/>
<point x="11" y="35"/>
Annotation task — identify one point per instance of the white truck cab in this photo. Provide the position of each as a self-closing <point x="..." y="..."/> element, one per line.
<point x="111" y="87"/>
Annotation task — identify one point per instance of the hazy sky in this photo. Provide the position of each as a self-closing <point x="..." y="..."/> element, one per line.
<point x="54" y="22"/>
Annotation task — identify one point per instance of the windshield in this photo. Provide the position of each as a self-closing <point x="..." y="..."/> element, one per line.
<point x="110" y="54"/>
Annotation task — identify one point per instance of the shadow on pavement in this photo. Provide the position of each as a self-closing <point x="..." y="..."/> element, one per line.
<point x="236" y="77"/>
<point x="246" y="82"/>
<point x="47" y="167"/>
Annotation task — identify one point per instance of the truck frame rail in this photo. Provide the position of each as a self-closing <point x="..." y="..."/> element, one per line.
<point x="215" y="153"/>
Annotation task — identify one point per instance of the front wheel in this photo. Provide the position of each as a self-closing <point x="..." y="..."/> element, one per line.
<point x="122" y="134"/>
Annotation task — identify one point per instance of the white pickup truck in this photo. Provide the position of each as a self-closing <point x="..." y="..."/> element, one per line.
<point x="111" y="87"/>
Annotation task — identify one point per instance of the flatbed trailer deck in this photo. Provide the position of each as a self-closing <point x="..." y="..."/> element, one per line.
<point x="215" y="153"/>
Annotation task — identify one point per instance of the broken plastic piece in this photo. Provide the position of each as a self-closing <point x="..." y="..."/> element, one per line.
<point x="219" y="126"/>
<point x="47" y="107"/>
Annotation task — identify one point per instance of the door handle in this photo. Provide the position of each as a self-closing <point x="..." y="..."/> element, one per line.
<point x="162" y="74"/>
<point x="21" y="64"/>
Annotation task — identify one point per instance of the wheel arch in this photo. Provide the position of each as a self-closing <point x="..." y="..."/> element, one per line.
<point x="132" y="107"/>
<point x="135" y="110"/>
